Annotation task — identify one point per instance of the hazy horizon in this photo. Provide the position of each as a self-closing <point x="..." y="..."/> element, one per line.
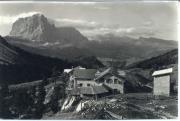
<point x="132" y="19"/>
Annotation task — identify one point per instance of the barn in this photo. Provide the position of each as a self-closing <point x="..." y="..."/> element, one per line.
<point x="162" y="82"/>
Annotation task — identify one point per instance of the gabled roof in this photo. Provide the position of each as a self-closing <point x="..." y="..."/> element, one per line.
<point x="120" y="74"/>
<point x="92" y="90"/>
<point x="84" y="73"/>
<point x="162" y="72"/>
<point x="103" y="73"/>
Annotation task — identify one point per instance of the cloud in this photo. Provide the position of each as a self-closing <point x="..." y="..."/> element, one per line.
<point x="125" y="30"/>
<point x="91" y="28"/>
<point x="102" y="8"/>
<point x="148" y="23"/>
<point x="11" y="19"/>
<point x="119" y="31"/>
<point x="76" y="21"/>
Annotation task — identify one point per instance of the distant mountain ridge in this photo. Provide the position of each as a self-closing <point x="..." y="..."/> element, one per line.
<point x="36" y="34"/>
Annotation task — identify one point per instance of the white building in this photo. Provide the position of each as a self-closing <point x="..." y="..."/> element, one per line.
<point x="162" y="82"/>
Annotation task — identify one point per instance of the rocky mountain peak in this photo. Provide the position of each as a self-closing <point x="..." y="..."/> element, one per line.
<point x="38" y="28"/>
<point x="35" y="27"/>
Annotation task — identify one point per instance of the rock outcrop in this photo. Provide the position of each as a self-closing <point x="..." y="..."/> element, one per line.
<point x="37" y="28"/>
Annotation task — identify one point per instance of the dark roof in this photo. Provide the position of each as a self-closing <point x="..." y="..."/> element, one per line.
<point x="103" y="73"/>
<point x="89" y="90"/>
<point x="84" y="73"/>
<point x="109" y="71"/>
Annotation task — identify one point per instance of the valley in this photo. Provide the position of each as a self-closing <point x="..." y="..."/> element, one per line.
<point x="44" y="68"/>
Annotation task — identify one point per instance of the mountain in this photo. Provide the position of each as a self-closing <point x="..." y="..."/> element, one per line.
<point x="125" y="47"/>
<point x="37" y="35"/>
<point x="33" y="28"/>
<point x="18" y="65"/>
<point x="37" y="28"/>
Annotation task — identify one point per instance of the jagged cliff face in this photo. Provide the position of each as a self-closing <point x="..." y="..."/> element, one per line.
<point x="33" y="28"/>
<point x="37" y="28"/>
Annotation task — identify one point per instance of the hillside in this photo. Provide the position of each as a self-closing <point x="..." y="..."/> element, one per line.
<point x="37" y="35"/>
<point x="157" y="62"/>
<point x="7" y="53"/>
<point x="146" y="67"/>
<point x="18" y="65"/>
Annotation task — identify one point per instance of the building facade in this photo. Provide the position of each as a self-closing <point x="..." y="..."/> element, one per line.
<point x="111" y="80"/>
<point x="162" y="82"/>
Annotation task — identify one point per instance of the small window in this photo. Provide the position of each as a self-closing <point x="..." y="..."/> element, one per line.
<point x="115" y="81"/>
<point x="109" y="81"/>
<point x="88" y="85"/>
<point x="119" y="82"/>
<point x="80" y="84"/>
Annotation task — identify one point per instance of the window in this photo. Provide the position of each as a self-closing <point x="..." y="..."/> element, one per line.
<point x="88" y="85"/>
<point x="109" y="81"/>
<point x="80" y="84"/>
<point x="115" y="81"/>
<point x="119" y="82"/>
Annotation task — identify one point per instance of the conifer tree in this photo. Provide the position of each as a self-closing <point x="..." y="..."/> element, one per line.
<point x="4" y="107"/>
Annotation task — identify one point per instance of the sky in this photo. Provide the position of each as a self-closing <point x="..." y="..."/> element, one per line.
<point x="133" y="19"/>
